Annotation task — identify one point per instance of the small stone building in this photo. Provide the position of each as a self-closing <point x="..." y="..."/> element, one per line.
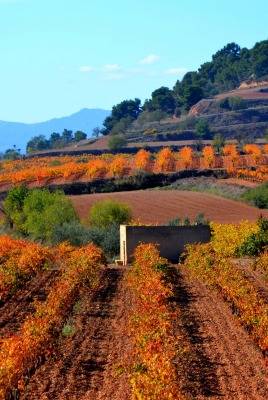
<point x="171" y="239"/>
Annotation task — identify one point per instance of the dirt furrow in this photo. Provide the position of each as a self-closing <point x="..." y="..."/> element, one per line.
<point x="221" y="361"/>
<point x="86" y="361"/>
<point x="14" y="311"/>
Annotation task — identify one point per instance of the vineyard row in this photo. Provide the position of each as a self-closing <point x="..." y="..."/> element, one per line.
<point x="107" y="165"/>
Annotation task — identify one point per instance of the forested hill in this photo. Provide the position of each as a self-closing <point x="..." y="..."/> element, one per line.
<point x="227" y="70"/>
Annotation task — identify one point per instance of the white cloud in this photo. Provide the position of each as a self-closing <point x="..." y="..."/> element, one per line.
<point x="111" y="67"/>
<point x="176" y="71"/>
<point x="86" y="68"/>
<point x="151" y="59"/>
<point x="106" y="68"/>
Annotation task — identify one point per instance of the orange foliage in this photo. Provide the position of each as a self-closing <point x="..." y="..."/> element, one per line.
<point x="265" y="148"/>
<point x="209" y="155"/>
<point x="212" y="262"/>
<point x="20" y="353"/>
<point x="44" y="168"/>
<point x="165" y="159"/>
<point x="96" y="167"/>
<point x="118" y="165"/>
<point x="19" y="261"/>
<point x="258" y="175"/>
<point x="151" y="329"/>
<point x="254" y="150"/>
<point x="186" y="155"/>
<point x="231" y="151"/>
<point x="142" y="159"/>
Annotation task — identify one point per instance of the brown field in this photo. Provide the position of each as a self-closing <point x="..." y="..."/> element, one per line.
<point x="158" y="206"/>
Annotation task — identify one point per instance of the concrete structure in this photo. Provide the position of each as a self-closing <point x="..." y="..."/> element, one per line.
<point x="171" y="239"/>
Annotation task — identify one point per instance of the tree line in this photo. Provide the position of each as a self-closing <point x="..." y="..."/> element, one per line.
<point x="55" y="141"/>
<point x="228" y="68"/>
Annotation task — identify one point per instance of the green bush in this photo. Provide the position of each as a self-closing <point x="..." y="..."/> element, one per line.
<point x="109" y="211"/>
<point x="198" y="220"/>
<point x="44" y="211"/>
<point x="256" y="242"/>
<point x="257" y="196"/>
<point x="78" y="235"/>
<point x="13" y="206"/>
<point x="38" y="212"/>
<point x="117" y="143"/>
<point x="236" y="103"/>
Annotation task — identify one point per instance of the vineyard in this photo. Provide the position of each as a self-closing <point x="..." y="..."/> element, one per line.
<point x="73" y="327"/>
<point x="252" y="164"/>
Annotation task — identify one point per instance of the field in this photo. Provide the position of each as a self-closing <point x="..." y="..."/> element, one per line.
<point x="159" y="206"/>
<point x="73" y="327"/>
<point x="95" y="352"/>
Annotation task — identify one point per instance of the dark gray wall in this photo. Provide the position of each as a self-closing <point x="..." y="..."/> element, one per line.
<point x="171" y="239"/>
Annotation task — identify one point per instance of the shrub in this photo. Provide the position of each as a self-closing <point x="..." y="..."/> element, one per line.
<point x="44" y="211"/>
<point x="108" y="238"/>
<point x="109" y="211"/>
<point x="256" y="242"/>
<point x="198" y="220"/>
<point x="111" y="240"/>
<point x="232" y="103"/>
<point x="13" y="205"/>
<point x="38" y="212"/>
<point x="76" y="234"/>
<point x="150" y="131"/>
<point x="236" y="103"/>
<point x="117" y="143"/>
<point x="258" y="196"/>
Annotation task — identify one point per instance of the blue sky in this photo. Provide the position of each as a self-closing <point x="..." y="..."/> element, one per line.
<point x="59" y="56"/>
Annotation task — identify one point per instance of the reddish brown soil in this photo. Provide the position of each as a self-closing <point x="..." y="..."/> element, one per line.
<point x="247" y="92"/>
<point x="158" y="206"/>
<point x="219" y="362"/>
<point x="15" y="310"/>
<point x="87" y="362"/>
<point x="222" y="362"/>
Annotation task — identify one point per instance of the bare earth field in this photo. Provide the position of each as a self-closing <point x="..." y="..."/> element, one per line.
<point x="158" y="206"/>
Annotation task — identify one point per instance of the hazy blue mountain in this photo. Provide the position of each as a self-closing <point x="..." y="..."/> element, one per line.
<point x="15" y="133"/>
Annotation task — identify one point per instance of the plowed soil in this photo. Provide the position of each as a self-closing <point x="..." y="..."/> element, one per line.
<point x="220" y="360"/>
<point x="85" y="366"/>
<point x="158" y="206"/>
<point x="15" y="310"/>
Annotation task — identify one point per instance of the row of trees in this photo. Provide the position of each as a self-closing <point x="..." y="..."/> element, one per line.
<point x="55" y="141"/>
<point x="228" y="68"/>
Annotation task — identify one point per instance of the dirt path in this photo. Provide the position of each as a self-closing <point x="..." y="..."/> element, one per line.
<point x="85" y="367"/>
<point x="14" y="311"/>
<point x="221" y="362"/>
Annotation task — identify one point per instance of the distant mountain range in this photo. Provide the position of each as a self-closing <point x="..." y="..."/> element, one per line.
<point x="18" y="134"/>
